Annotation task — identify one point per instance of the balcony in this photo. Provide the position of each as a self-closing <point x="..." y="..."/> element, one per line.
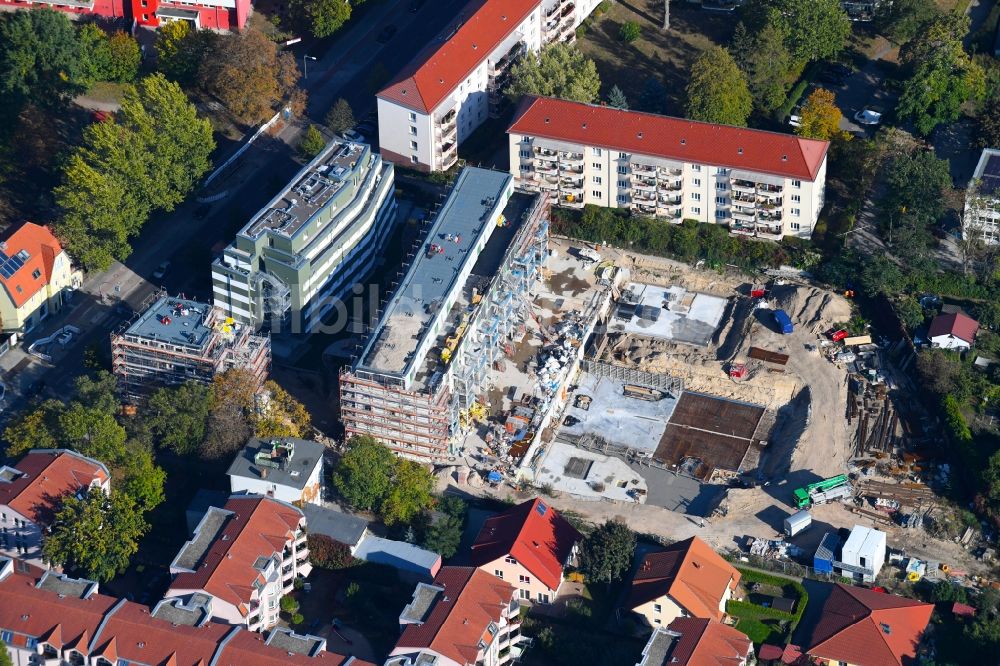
<point x="644" y="186"/>
<point x="642" y="168"/>
<point x="743" y="186"/>
<point x="570" y="159"/>
<point x="545" y="154"/>
<point x="772" y="231"/>
<point x="745" y="200"/>
<point x="767" y="203"/>
<point x="741" y="229"/>
<point x="663" y="172"/>
<point x="505" y="62"/>
<point x="743" y="216"/>
<point x="571" y="201"/>
<point x="770" y="190"/>
<point x="448" y="119"/>
<point x="546" y="168"/>
<point x="675" y="200"/>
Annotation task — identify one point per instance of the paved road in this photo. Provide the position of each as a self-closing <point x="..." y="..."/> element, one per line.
<point x="186" y="236"/>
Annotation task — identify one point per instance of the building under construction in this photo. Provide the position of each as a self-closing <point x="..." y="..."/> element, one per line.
<point x="418" y="383"/>
<point x="175" y="340"/>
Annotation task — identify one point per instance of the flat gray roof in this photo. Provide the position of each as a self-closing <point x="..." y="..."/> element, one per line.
<point x="78" y="588"/>
<point x="339" y="526"/>
<point x="397" y="554"/>
<point x="176" y="321"/>
<point x="286" y="640"/>
<point x="175" y="611"/>
<point x="291" y="471"/>
<point x="433" y="275"/>
<point x="308" y="192"/>
<point x="424" y="597"/>
<point x="209" y="528"/>
<point x="659" y="647"/>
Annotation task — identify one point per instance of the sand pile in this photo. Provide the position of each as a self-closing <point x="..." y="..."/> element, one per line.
<point x="811" y="308"/>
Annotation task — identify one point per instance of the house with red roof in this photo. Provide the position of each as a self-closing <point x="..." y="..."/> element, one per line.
<point x="529" y="546"/>
<point x="953" y="330"/>
<point x="766" y="184"/>
<point x="465" y="617"/>
<point x="455" y="85"/>
<point x="242" y="559"/>
<point x="35" y="273"/>
<point x="685" y="579"/>
<point x="53" y="619"/>
<point x="690" y="641"/>
<point x="861" y="627"/>
<point x="30" y="494"/>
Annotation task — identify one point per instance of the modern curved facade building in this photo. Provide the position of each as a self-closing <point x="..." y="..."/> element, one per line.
<point x="311" y="243"/>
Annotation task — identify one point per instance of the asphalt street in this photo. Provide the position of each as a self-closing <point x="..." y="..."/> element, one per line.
<point x="186" y="236"/>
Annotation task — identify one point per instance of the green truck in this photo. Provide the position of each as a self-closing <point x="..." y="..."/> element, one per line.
<point x="823" y="491"/>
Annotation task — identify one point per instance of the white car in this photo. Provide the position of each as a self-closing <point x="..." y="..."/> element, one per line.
<point x="868" y="116"/>
<point x="353" y="136"/>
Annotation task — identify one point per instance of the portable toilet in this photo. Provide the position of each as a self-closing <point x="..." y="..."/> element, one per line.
<point x="826" y="553"/>
<point x="797" y="522"/>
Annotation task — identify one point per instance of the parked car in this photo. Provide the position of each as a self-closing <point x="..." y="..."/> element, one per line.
<point x="836" y="74"/>
<point x="161" y="270"/>
<point x="868" y="116"/>
<point x="367" y="128"/>
<point x="353" y="136"/>
<point x="386" y="34"/>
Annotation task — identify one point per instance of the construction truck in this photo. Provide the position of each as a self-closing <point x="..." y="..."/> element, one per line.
<point x="821" y="492"/>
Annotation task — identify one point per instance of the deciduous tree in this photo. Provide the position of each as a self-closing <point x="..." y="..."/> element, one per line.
<point x="606" y="554"/>
<point x="229" y="421"/>
<point x="901" y="20"/>
<point x="813" y="29"/>
<point x="311" y="143"/>
<point x="916" y="183"/>
<point x="321" y="18"/>
<point x="35" y="428"/>
<point x="944" y="76"/>
<point x="329" y="554"/>
<point x="248" y="75"/>
<point x="139" y="477"/>
<point x="365" y="473"/>
<point x="281" y="415"/>
<point x="764" y="58"/>
<point x="39" y="58"/>
<point x="717" y="91"/>
<point x="988" y="123"/>
<point x="176" y="416"/>
<point x="95" y="535"/>
<point x="180" y="50"/>
<point x="340" y="117"/>
<point x="559" y="70"/>
<point x="821" y="117"/>
<point x="409" y="494"/>
<point x="444" y="536"/>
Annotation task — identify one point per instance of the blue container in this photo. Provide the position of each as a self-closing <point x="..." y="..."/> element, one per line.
<point x="784" y="321"/>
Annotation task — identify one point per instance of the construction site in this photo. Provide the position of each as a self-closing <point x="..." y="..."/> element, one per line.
<point x="172" y="340"/>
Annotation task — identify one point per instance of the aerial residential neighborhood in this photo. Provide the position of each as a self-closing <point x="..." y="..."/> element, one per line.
<point x="489" y="332"/>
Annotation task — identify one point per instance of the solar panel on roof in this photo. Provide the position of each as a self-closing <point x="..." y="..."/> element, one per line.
<point x="541" y="508"/>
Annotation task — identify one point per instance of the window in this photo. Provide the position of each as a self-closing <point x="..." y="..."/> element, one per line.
<point x="525" y="594"/>
<point x="796" y="211"/>
<point x="695" y="210"/>
<point x="524" y="579"/>
<point x="796" y="198"/>
<point x="597" y="180"/>
<point x="596" y="151"/>
<point x="510" y="560"/>
<point x="695" y="167"/>
<point x="6" y="637"/>
<point x="796" y="183"/>
<point x="696" y="196"/>
<point x="622" y="198"/>
<point x="720" y="186"/>
<point x="413" y="117"/>
<point x="525" y="167"/>
<point x="543" y="598"/>
<point x="596" y="165"/>
<point x="622" y="156"/>
<point x="622" y="168"/>
<point x="623" y="184"/>
<point x="657" y="608"/>
<point x="413" y="158"/>
<point x="413" y="145"/>
<point x="657" y="622"/>
<point x="413" y="130"/>
<point x="597" y="193"/>
<point x="498" y="573"/>
<point x="696" y="181"/>
<point x="525" y="153"/>
<point x="36" y="274"/>
<point x="722" y="171"/>
<point x="32" y="643"/>
<point x="720" y="201"/>
<point x="721" y="214"/>
<point x="795" y="226"/>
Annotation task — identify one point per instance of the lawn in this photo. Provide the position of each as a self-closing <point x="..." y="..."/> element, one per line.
<point x="664" y="55"/>
<point x="761" y="623"/>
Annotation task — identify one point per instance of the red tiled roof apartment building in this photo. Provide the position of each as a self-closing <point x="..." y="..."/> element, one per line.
<point x="758" y="183"/>
<point x="59" y="620"/>
<point x="242" y="559"/>
<point x="456" y="83"/>
<point x="201" y="14"/>
<point x="30" y="492"/>
<point x="528" y="546"/>
<point x="690" y="641"/>
<point x="860" y="627"/>
<point x="686" y="579"/>
<point x="465" y="617"/>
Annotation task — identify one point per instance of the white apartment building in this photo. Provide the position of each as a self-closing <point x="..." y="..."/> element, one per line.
<point x="758" y="183"/>
<point x="235" y="565"/>
<point x="30" y="494"/>
<point x="319" y="236"/>
<point x="439" y="99"/>
<point x="982" y="200"/>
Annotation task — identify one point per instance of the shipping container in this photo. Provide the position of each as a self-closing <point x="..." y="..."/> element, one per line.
<point x="797" y="522"/>
<point x="784" y="321"/>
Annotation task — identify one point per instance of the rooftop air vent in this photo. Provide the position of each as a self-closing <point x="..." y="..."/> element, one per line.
<point x="784" y="158"/>
<point x="740" y="151"/>
<point x="546" y="121"/>
<point x="640" y="135"/>
<point x="684" y="142"/>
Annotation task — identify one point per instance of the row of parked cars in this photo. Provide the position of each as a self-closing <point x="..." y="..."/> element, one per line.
<point x="835" y="75"/>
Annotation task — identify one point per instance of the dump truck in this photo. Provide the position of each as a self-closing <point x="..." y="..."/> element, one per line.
<point x="821" y="492"/>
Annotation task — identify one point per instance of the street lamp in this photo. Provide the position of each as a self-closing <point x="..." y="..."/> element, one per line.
<point x="305" y="65"/>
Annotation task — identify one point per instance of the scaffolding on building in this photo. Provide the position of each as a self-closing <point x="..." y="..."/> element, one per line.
<point x="672" y="385"/>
